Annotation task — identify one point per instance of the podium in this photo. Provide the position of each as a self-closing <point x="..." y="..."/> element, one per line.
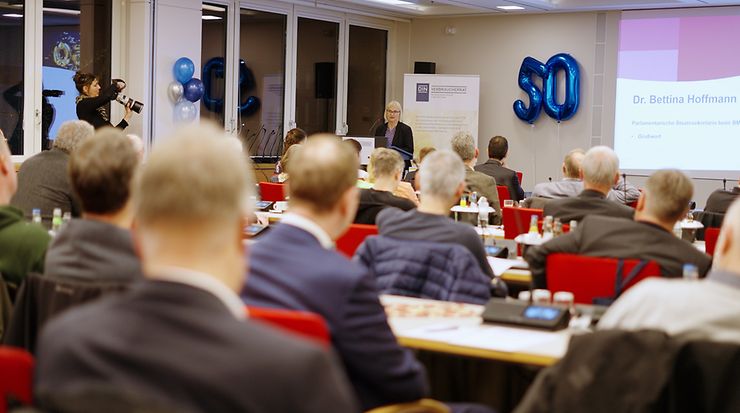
<point x="369" y="143"/>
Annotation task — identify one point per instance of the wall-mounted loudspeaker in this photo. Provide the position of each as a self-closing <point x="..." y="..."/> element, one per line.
<point x="427" y="68"/>
<point x="325" y="79"/>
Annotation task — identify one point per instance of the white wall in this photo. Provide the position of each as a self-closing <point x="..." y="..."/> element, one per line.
<point x="494" y="47"/>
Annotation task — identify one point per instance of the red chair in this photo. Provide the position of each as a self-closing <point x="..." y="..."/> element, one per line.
<point x="591" y="277"/>
<point x="710" y="240"/>
<point x="516" y="220"/>
<point x="272" y="192"/>
<point x="520" y="176"/>
<point x="16" y="372"/>
<point x="503" y="194"/>
<point x="348" y="243"/>
<point x="301" y="323"/>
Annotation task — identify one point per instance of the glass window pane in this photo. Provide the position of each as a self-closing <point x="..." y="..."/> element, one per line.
<point x="366" y="79"/>
<point x="76" y="37"/>
<point x="316" y="75"/>
<point x="11" y="75"/>
<point x="213" y="53"/>
<point x="262" y="82"/>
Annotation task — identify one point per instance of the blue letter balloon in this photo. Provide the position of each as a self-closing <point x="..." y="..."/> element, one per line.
<point x="193" y="90"/>
<point x="530" y="66"/>
<point x="183" y="70"/>
<point x="569" y="107"/>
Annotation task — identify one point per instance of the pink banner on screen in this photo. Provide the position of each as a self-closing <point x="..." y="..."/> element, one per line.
<point x="683" y="49"/>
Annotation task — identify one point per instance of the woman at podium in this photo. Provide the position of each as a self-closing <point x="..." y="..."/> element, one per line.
<point x="398" y="134"/>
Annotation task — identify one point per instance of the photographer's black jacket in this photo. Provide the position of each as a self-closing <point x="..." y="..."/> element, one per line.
<point x="92" y="110"/>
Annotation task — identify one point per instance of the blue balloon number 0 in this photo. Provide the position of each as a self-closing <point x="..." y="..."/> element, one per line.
<point x="548" y="96"/>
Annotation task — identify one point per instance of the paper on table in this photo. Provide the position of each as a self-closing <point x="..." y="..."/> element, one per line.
<point x="500" y="265"/>
<point x="492" y="337"/>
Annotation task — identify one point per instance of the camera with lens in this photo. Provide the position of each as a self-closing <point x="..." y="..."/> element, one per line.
<point x="134" y="104"/>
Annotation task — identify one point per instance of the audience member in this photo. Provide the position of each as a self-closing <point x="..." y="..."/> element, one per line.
<point x="498" y="150"/>
<point x="442" y="177"/>
<point x="283" y="176"/>
<point x="42" y="180"/>
<point x="294" y="266"/>
<point x="22" y="244"/>
<point x="138" y="145"/>
<point x="704" y="309"/>
<point x="294" y="136"/>
<point x="180" y="337"/>
<point x="411" y="175"/>
<point x="599" y="171"/>
<point x="571" y="184"/>
<point x="357" y="147"/>
<point x="99" y="246"/>
<point x="719" y="201"/>
<point x="464" y="145"/>
<point x="649" y="236"/>
<point x="386" y="166"/>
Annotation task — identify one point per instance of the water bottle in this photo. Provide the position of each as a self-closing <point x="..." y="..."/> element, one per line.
<point x="573" y="225"/>
<point x="557" y="228"/>
<point x="483" y="212"/>
<point x="690" y="272"/>
<point x="66" y="218"/>
<point x="36" y="216"/>
<point x="56" y="222"/>
<point x="473" y="198"/>
<point x="547" y="228"/>
<point x="533" y="225"/>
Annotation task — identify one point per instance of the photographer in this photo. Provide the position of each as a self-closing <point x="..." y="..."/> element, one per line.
<point x="92" y="100"/>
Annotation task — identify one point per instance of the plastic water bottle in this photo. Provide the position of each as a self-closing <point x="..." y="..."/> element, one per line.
<point x="483" y="212"/>
<point x="36" y="216"/>
<point x="66" y="218"/>
<point x="56" y="222"/>
<point x="474" y="198"/>
<point x="573" y="225"/>
<point x="547" y="228"/>
<point x="690" y="272"/>
<point x="533" y="225"/>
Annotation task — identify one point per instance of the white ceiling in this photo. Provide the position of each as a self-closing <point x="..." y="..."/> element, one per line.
<point x="439" y="8"/>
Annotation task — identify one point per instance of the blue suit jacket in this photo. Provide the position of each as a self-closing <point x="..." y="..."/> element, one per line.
<point x="290" y="269"/>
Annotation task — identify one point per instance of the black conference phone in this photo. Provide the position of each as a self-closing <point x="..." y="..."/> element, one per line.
<point x="525" y="314"/>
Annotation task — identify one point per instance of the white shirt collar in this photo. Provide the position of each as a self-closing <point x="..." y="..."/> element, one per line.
<point x="205" y="282"/>
<point x="310" y="227"/>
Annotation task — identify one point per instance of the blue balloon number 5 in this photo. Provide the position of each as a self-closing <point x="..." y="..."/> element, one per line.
<point x="548" y="72"/>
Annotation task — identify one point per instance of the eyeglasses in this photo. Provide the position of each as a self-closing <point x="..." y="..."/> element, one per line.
<point x="393" y="111"/>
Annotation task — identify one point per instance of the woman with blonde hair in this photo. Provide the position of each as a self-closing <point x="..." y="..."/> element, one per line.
<point x="398" y="134"/>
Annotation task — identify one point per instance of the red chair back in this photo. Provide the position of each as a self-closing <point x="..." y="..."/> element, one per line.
<point x="516" y="220"/>
<point x="520" y="176"/>
<point x="272" y="192"/>
<point x="16" y="372"/>
<point x="503" y="194"/>
<point x="710" y="240"/>
<point x="348" y="243"/>
<point x="302" y="323"/>
<point x="591" y="277"/>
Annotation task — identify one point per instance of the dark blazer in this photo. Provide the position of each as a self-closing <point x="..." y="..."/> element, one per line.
<point x="180" y="345"/>
<point x="719" y="201"/>
<point x="372" y="202"/>
<point x="503" y="176"/>
<point x="290" y="269"/>
<point x="588" y="202"/>
<point x="91" y="109"/>
<point x="601" y="236"/>
<point x="403" y="138"/>
<point x="43" y="183"/>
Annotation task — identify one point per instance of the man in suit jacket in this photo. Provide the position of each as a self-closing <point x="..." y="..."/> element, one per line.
<point x="570" y="185"/>
<point x="649" y="236"/>
<point x="464" y="146"/>
<point x="498" y="150"/>
<point x="42" y="180"/>
<point x="599" y="171"/>
<point x="180" y="337"/>
<point x="719" y="201"/>
<point x="294" y="266"/>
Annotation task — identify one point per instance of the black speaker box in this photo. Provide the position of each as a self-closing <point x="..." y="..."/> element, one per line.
<point x="427" y="68"/>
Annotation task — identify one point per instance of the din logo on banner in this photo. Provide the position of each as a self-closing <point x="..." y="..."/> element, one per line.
<point x="548" y="96"/>
<point x="422" y="92"/>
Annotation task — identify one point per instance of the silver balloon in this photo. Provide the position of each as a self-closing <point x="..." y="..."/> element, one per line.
<point x="175" y="91"/>
<point x="185" y="111"/>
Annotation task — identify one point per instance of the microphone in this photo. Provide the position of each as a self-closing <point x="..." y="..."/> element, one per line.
<point x="549" y="178"/>
<point x="724" y="184"/>
<point x="624" y="187"/>
<point x="375" y="124"/>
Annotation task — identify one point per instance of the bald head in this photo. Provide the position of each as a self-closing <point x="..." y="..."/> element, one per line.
<point x="321" y="172"/>
<point x="572" y="163"/>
